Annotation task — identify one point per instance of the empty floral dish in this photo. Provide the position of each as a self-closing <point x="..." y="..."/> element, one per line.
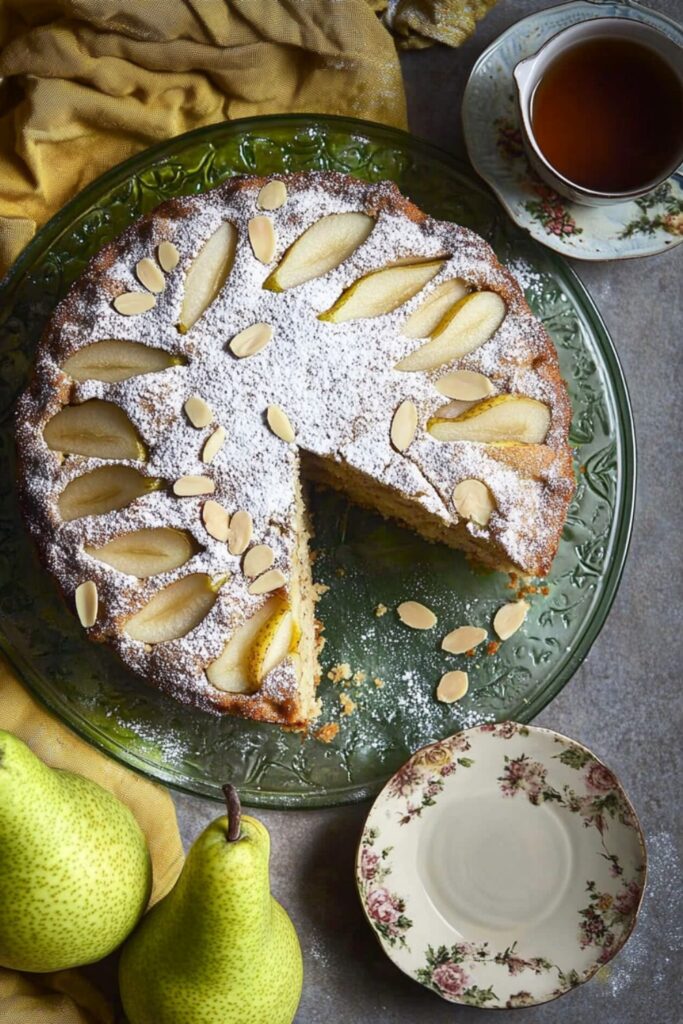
<point x="502" y="867"/>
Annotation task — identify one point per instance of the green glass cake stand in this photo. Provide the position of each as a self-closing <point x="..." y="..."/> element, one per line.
<point x="364" y="560"/>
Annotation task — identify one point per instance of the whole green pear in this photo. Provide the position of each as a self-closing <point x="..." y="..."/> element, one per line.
<point x="75" y="873"/>
<point x="218" y="947"/>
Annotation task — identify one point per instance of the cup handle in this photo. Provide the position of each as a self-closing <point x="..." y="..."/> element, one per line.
<point x="522" y="72"/>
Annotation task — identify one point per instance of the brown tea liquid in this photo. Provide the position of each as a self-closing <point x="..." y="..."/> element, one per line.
<point x="608" y="115"/>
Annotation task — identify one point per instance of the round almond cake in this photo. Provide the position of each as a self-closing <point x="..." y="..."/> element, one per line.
<point x="229" y="345"/>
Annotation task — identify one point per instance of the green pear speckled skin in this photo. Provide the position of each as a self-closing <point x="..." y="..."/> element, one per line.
<point x="75" y="872"/>
<point x="218" y="948"/>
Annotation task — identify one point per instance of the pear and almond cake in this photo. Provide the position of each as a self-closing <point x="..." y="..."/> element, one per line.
<point x="229" y="343"/>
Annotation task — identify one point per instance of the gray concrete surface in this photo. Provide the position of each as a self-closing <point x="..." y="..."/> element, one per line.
<point x="624" y="703"/>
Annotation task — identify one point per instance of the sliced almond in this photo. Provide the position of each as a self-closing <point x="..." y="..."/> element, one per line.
<point x="451" y="410"/>
<point x="404" y="425"/>
<point x="131" y="303"/>
<point x="278" y="421"/>
<point x="257" y="560"/>
<point x="272" y="196"/>
<point x="465" y="638"/>
<point x="509" y="618"/>
<point x="198" y="412"/>
<point x="262" y="238"/>
<point x="452" y="686"/>
<point x="269" y="581"/>
<point x="168" y="256"/>
<point x="416" y="615"/>
<point x="213" y="444"/>
<point x="189" y="486"/>
<point x="86" y="603"/>
<point x="239" y="534"/>
<point x="465" y="385"/>
<point x="149" y="275"/>
<point x="216" y="520"/>
<point x="251" y="340"/>
<point x="474" y="501"/>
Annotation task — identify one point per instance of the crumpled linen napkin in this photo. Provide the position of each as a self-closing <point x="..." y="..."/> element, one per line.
<point x="420" y="23"/>
<point x="91" y="82"/>
<point x="69" y="997"/>
<point x="88" y="83"/>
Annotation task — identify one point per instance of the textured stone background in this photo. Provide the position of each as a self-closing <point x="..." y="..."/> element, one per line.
<point x="624" y="702"/>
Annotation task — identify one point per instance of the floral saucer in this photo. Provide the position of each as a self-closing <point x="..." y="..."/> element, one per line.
<point x="502" y="867"/>
<point x="639" y="228"/>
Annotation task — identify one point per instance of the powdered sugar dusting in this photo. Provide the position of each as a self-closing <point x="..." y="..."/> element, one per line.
<point x="336" y="383"/>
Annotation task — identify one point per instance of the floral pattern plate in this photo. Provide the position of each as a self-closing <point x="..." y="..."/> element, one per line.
<point x="502" y="866"/>
<point x="641" y="228"/>
<point x="364" y="560"/>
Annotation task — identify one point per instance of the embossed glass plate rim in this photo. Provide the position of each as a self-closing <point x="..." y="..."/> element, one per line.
<point x="50" y="233"/>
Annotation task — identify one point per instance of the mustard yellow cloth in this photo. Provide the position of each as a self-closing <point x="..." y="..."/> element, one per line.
<point x="91" y="82"/>
<point x="68" y="997"/>
<point x="420" y="23"/>
<point x="87" y="83"/>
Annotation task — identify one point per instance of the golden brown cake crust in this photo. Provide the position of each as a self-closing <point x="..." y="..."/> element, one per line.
<point x="341" y="407"/>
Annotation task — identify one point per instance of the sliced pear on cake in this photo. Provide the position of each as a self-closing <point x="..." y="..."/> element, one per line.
<point x="321" y="248"/>
<point x="207" y="274"/>
<point x="113" y="361"/>
<point x="429" y="315"/>
<point x="471" y="322"/>
<point x="230" y="671"/>
<point x="500" y="419"/>
<point x="144" y="553"/>
<point x="96" y="428"/>
<point x="176" y="610"/>
<point x="105" y="489"/>
<point x="382" y="291"/>
<point x="271" y="646"/>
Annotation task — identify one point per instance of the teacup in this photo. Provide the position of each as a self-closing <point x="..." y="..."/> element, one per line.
<point x="529" y="74"/>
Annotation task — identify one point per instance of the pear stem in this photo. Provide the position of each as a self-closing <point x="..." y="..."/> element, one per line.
<point x="232" y="801"/>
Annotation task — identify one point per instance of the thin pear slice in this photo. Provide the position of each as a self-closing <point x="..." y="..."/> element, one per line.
<point x="503" y="418"/>
<point x="144" y="553"/>
<point x="105" y="489"/>
<point x="470" y="323"/>
<point x="272" y="645"/>
<point x="207" y="274"/>
<point x="429" y="315"/>
<point x="382" y="291"/>
<point x="230" y="671"/>
<point x="96" y="428"/>
<point x="321" y="248"/>
<point x="174" y="611"/>
<point x="112" y="361"/>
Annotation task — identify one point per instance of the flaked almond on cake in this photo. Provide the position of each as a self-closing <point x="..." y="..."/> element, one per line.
<point x="229" y="344"/>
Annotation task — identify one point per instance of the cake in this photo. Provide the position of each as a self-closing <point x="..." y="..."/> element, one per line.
<point x="228" y="346"/>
